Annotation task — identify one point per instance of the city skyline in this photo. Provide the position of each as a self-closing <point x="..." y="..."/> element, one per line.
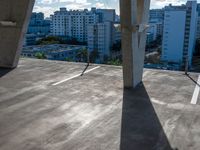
<point x="49" y="6"/>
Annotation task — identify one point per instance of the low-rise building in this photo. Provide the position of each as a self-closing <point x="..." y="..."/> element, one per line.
<point x="54" y="51"/>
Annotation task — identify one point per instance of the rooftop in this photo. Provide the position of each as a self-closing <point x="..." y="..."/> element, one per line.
<point x="48" y="105"/>
<point x="52" y="48"/>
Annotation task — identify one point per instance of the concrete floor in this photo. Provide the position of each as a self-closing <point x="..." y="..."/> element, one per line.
<point x="93" y="111"/>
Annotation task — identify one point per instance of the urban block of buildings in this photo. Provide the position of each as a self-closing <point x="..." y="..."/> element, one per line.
<point x="95" y="27"/>
<point x="99" y="29"/>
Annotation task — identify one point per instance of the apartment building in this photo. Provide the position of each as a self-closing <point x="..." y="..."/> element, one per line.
<point x="80" y="24"/>
<point x="154" y="31"/>
<point x="100" y="39"/>
<point x="179" y="33"/>
<point x="38" y="28"/>
<point x="156" y="14"/>
<point x="102" y="35"/>
<point x="105" y="14"/>
<point x="73" y="23"/>
<point x="38" y="25"/>
<point x="156" y="19"/>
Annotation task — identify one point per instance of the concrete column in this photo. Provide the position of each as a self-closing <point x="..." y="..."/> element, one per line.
<point x="14" y="19"/>
<point x="134" y="20"/>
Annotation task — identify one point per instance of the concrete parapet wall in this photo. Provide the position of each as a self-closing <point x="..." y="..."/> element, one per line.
<point x="14" y="19"/>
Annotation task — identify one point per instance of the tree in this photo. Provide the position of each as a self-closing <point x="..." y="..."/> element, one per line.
<point x="94" y="55"/>
<point x="82" y="55"/>
<point x="50" y="40"/>
<point x="69" y="59"/>
<point x="115" y="62"/>
<point x="117" y="46"/>
<point x="40" y="55"/>
<point x="159" y="50"/>
<point x="155" y="43"/>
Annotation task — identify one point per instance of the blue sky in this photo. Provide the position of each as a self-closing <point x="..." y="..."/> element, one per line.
<point x="49" y="6"/>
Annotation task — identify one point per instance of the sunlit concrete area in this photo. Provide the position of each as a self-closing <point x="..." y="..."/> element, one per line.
<point x="54" y="105"/>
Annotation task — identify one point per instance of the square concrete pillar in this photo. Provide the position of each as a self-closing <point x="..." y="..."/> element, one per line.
<point x="14" y="19"/>
<point x="134" y="20"/>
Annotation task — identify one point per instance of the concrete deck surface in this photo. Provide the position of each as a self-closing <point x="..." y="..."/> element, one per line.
<point x="93" y="111"/>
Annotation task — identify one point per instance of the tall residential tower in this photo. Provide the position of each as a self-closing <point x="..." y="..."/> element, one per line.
<point x="179" y="33"/>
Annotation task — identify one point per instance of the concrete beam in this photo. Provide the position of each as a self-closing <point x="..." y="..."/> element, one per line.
<point x="134" y="20"/>
<point x="14" y="19"/>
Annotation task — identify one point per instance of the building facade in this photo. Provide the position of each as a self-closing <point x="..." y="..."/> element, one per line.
<point x="156" y="14"/>
<point x="179" y="33"/>
<point x="38" y="25"/>
<point x="155" y="29"/>
<point x="73" y="23"/>
<point x="100" y="39"/>
<point x="30" y="39"/>
<point x="105" y="15"/>
<point x="156" y="21"/>
<point x="38" y="28"/>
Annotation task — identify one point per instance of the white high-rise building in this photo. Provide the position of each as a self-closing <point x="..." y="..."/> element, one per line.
<point x="100" y="39"/>
<point x="73" y="23"/>
<point x="179" y="33"/>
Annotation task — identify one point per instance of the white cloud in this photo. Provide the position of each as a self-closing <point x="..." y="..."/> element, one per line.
<point x="162" y="3"/>
<point x="99" y="5"/>
<point x="49" y="6"/>
<point x="66" y="1"/>
<point x="78" y="6"/>
<point x="46" y="10"/>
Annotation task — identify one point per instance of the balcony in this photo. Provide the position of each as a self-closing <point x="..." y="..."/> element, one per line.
<point x="48" y="105"/>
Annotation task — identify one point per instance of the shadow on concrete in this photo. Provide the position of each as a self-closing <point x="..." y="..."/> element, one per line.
<point x="193" y="80"/>
<point x="141" y="128"/>
<point x="4" y="71"/>
<point x="85" y="69"/>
